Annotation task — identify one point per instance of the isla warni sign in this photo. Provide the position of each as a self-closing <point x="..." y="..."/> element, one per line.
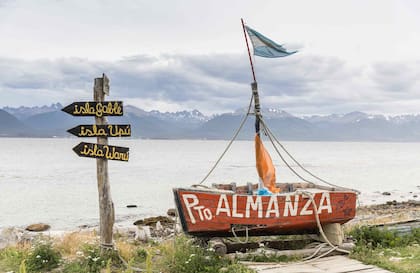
<point x="109" y="152"/>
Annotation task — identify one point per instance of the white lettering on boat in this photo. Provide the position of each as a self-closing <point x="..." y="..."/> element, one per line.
<point x="289" y="207"/>
<point x="235" y="206"/>
<point x="325" y="198"/>
<point x="254" y="205"/>
<point x="305" y="210"/>
<point x="273" y="206"/>
<point x="225" y="209"/>
<point x="189" y="205"/>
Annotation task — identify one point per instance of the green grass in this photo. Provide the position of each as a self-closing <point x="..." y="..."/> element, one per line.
<point x="180" y="255"/>
<point x="11" y="258"/>
<point x="387" y="249"/>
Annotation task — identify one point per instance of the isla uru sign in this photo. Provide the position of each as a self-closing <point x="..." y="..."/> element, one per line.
<point x="109" y="152"/>
<point x="108" y="130"/>
<point x="93" y="108"/>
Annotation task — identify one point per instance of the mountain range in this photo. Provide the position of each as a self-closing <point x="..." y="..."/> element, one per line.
<point x="50" y="121"/>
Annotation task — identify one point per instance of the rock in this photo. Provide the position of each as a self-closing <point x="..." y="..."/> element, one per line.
<point x="159" y="226"/>
<point x="38" y="227"/>
<point x="386" y="193"/>
<point x="10" y="236"/>
<point x="415" y="196"/>
<point x="131" y="206"/>
<point x="143" y="234"/>
<point x="151" y="221"/>
<point x="334" y="233"/>
<point x="171" y="212"/>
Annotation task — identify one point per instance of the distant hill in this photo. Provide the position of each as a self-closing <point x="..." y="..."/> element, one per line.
<point x="10" y="126"/>
<point x="24" y="112"/>
<point x="49" y="121"/>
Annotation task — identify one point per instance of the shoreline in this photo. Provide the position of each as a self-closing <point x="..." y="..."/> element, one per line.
<point x="367" y="201"/>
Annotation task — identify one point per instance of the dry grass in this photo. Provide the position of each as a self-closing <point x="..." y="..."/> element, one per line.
<point x="70" y="243"/>
<point x="126" y="250"/>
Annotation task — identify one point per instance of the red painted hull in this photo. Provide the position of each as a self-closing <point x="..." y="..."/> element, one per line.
<point x="214" y="213"/>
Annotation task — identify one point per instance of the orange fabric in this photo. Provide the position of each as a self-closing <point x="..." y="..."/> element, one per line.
<point x="265" y="167"/>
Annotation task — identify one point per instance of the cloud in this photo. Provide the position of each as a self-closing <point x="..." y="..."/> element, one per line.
<point x="398" y="77"/>
<point x="214" y="83"/>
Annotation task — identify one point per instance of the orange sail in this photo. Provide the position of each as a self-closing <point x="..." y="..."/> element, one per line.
<point x="265" y="167"/>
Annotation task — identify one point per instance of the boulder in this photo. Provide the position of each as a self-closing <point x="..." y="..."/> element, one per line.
<point x="171" y="212"/>
<point x="151" y="221"/>
<point x="38" y="227"/>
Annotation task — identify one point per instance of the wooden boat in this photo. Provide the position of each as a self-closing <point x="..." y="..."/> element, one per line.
<point x="266" y="208"/>
<point x="227" y="212"/>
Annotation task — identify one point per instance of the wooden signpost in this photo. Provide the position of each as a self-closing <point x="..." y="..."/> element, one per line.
<point x="85" y="149"/>
<point x="94" y="108"/>
<point x="111" y="130"/>
<point x="101" y="150"/>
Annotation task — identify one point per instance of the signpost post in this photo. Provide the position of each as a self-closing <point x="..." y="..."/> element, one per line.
<point x="106" y="206"/>
<point x="99" y="108"/>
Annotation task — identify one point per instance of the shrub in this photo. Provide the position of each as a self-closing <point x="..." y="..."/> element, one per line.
<point x="190" y="258"/>
<point x="374" y="237"/>
<point x="43" y="257"/>
<point x="11" y="258"/>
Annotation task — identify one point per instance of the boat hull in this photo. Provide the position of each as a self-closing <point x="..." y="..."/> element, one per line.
<point x="214" y="213"/>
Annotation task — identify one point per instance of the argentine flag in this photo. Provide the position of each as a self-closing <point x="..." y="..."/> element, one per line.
<point x="265" y="47"/>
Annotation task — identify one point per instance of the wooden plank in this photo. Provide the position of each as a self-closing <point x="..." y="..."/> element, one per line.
<point x="333" y="264"/>
<point x="93" y="150"/>
<point x="110" y="130"/>
<point x="344" y="268"/>
<point x="94" y="108"/>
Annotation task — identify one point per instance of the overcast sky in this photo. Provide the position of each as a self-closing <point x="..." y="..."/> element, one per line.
<point x="175" y="55"/>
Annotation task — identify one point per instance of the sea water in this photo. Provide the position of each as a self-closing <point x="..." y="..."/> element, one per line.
<point x="43" y="180"/>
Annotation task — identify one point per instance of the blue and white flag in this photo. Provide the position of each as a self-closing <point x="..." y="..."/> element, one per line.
<point x="265" y="47"/>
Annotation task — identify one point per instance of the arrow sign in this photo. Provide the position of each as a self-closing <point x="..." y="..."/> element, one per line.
<point x="110" y="130"/>
<point x="93" y="108"/>
<point x="109" y="152"/>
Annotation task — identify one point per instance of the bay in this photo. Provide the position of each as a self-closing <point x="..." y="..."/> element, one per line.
<point x="43" y="180"/>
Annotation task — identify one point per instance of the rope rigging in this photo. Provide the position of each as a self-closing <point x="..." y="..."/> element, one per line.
<point x="273" y="139"/>
<point x="230" y="142"/>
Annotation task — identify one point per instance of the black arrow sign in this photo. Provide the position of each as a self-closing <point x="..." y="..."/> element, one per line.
<point x="110" y="130"/>
<point x="93" y="108"/>
<point x="109" y="152"/>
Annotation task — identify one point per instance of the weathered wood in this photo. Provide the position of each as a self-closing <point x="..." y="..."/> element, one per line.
<point x="110" y="130"/>
<point x="335" y="264"/>
<point x="213" y="213"/>
<point x="291" y="253"/>
<point x="106" y="206"/>
<point x="218" y="245"/>
<point x="291" y="244"/>
<point x="94" y="108"/>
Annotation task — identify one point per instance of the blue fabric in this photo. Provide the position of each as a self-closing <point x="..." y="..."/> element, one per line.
<point x="264" y="47"/>
<point x="263" y="191"/>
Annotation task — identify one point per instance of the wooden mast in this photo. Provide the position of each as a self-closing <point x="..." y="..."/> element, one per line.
<point x="254" y="86"/>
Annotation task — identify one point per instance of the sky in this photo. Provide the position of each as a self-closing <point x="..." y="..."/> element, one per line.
<point x="185" y="54"/>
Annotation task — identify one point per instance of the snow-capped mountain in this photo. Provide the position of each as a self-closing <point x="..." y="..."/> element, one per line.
<point x="47" y="121"/>
<point x="24" y="112"/>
